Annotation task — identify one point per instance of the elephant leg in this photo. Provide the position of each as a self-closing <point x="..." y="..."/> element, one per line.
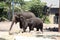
<point x="37" y="29"/>
<point x="24" y="29"/>
<point x="20" y="25"/>
<point x="31" y="28"/>
<point x="41" y="27"/>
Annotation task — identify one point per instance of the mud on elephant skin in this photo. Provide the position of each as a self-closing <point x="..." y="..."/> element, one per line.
<point x="16" y="18"/>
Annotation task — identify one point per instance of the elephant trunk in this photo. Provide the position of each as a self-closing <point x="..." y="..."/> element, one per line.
<point x="11" y="25"/>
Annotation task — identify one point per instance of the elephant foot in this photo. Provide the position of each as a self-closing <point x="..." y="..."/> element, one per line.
<point x="23" y="32"/>
<point x="42" y="32"/>
<point x="37" y="29"/>
<point x="21" y="27"/>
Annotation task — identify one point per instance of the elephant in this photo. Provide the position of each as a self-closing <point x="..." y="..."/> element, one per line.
<point x="35" y="23"/>
<point x="16" y="18"/>
<point x="32" y="23"/>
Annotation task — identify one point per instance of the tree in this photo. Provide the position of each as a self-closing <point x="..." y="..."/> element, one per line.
<point x="36" y="6"/>
<point x="3" y="10"/>
<point x="5" y="6"/>
<point x="59" y="18"/>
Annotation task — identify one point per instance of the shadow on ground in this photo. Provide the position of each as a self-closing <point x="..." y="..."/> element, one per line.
<point x="52" y="29"/>
<point x="4" y="30"/>
<point x="2" y="39"/>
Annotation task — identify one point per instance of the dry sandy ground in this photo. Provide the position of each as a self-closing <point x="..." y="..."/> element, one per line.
<point x="16" y="31"/>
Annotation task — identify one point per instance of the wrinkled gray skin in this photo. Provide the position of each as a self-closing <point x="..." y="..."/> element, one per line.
<point x="16" y="18"/>
<point x="32" y="23"/>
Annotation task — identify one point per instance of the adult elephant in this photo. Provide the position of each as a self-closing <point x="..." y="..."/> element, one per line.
<point x="16" y="18"/>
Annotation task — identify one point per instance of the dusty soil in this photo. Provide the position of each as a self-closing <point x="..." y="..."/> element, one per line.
<point x="16" y="31"/>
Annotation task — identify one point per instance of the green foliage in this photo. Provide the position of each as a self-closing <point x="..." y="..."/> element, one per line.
<point x="27" y="6"/>
<point x="17" y="9"/>
<point x="37" y="10"/>
<point x="35" y="6"/>
<point x="46" y="20"/>
<point x="3" y="10"/>
<point x="2" y="4"/>
<point x="3" y="15"/>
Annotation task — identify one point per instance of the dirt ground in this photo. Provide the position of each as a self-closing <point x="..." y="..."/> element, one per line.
<point x="16" y="31"/>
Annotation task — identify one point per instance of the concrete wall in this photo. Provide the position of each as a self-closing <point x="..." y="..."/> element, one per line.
<point x="51" y="18"/>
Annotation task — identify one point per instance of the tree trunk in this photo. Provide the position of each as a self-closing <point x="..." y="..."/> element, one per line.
<point x="59" y="17"/>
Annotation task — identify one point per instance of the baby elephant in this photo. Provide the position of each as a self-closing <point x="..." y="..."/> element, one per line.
<point x="35" y="23"/>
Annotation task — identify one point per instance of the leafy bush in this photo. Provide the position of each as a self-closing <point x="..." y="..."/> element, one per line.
<point x="35" y="6"/>
<point x="3" y="11"/>
<point x="37" y="10"/>
<point x="46" y="20"/>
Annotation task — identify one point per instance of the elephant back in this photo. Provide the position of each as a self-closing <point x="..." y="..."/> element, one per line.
<point x="37" y="20"/>
<point x="28" y="15"/>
